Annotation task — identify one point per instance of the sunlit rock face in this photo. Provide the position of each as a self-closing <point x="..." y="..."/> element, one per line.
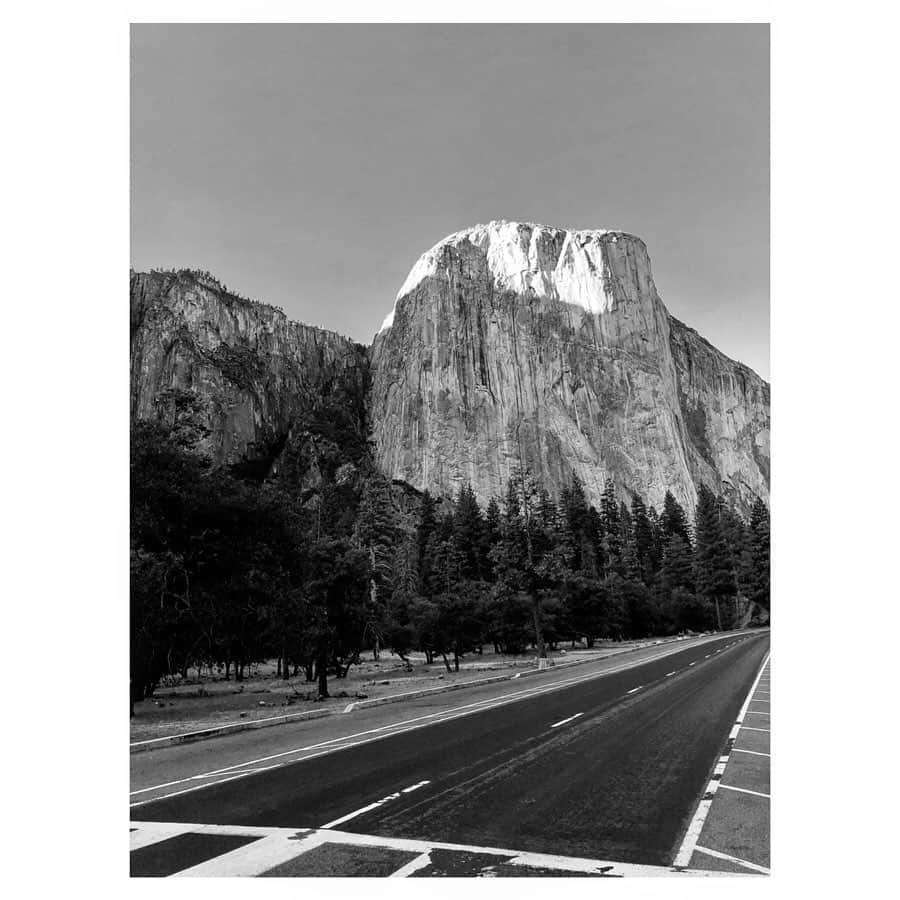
<point x="255" y="373"/>
<point x="515" y="343"/>
<point x="508" y="343"/>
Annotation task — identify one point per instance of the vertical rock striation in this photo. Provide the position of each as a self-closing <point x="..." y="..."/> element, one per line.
<point x="255" y="373"/>
<point x="508" y="343"/>
<point x="515" y="343"/>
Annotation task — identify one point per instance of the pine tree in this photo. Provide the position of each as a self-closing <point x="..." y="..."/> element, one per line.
<point x="737" y="536"/>
<point x="630" y="564"/>
<point x="425" y="540"/>
<point x="656" y="543"/>
<point x="715" y="572"/>
<point x="376" y="532"/>
<point x="673" y="519"/>
<point x="759" y="552"/>
<point x="677" y="566"/>
<point x="490" y="536"/>
<point x="468" y="534"/>
<point x="594" y="540"/>
<point x="609" y="516"/>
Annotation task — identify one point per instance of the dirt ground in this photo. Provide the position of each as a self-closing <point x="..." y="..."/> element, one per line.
<point x="208" y="700"/>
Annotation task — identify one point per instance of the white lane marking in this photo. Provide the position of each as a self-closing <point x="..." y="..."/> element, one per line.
<point x="254" y="857"/>
<point x="242" y="772"/>
<point x="753" y="752"/>
<point x="668" y="674"/>
<point x="570" y="719"/>
<point x="414" y="787"/>
<point x="291" y="716"/>
<point x="731" y="787"/>
<point x="153" y="832"/>
<point x="346" y="742"/>
<point x="418" y="862"/>
<point x="735" y="859"/>
<point x="751" y="728"/>
<point x="692" y="664"/>
<point x="686" y="851"/>
<point x="634" y="689"/>
<point x="707" y="656"/>
<point x="375" y="805"/>
<point x="756" y="712"/>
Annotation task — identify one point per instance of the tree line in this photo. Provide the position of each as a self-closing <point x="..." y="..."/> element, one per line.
<point x="228" y="571"/>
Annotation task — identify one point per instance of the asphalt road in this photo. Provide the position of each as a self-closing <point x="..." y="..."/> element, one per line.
<point x="606" y="767"/>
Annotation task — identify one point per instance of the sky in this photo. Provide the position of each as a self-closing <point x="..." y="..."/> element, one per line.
<point x="309" y="166"/>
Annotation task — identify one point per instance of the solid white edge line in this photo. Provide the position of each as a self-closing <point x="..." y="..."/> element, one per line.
<point x="486" y="704"/>
<point x="686" y="851"/>
<point x="735" y="859"/>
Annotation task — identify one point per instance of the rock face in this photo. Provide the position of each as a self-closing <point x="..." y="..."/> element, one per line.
<point x="257" y="375"/>
<point x="508" y="343"/>
<point x="515" y="343"/>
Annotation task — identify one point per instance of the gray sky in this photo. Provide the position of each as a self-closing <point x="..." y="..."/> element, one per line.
<point x="310" y="165"/>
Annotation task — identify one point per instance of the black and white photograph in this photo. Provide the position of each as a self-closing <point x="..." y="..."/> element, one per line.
<point x="449" y="509"/>
<point x="462" y="434"/>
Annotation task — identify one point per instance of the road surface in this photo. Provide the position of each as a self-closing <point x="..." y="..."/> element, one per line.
<point x="604" y="764"/>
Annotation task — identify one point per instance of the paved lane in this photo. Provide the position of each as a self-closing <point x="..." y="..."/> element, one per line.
<point x="609" y="767"/>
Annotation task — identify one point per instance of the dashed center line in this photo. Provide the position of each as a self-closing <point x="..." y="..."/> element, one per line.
<point x="671" y="673"/>
<point x="635" y="689"/>
<point x="571" y="718"/>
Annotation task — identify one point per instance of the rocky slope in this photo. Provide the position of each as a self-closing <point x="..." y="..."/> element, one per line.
<point x="259" y="379"/>
<point x="517" y="343"/>
<point x="508" y="343"/>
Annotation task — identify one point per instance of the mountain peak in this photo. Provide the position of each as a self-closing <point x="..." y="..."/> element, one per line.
<point x="563" y="264"/>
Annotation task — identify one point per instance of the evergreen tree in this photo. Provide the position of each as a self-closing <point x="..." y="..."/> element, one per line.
<point x="468" y="534"/>
<point x="673" y="520"/>
<point x="597" y="567"/>
<point x="426" y="541"/>
<point x="657" y="545"/>
<point x="490" y="536"/>
<point x="376" y="532"/>
<point x="630" y="564"/>
<point x="677" y="566"/>
<point x="644" y="541"/>
<point x="609" y="517"/>
<point x="715" y="572"/>
<point x="759" y="552"/>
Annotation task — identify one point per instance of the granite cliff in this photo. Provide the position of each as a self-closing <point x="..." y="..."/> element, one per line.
<point x="517" y="343"/>
<point x="266" y="390"/>
<point x="507" y="343"/>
